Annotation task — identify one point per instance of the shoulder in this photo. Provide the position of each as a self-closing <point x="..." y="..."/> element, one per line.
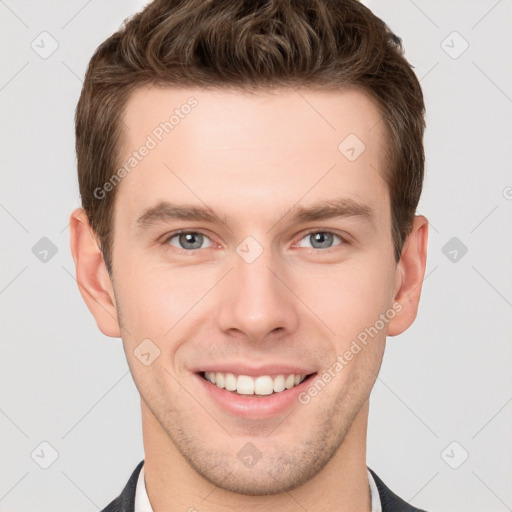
<point x="125" y="502"/>
<point x="389" y="500"/>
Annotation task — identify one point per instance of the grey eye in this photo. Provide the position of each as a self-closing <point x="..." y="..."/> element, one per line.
<point x="320" y="239"/>
<point x="190" y="240"/>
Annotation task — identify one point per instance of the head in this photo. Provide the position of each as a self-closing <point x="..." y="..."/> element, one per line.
<point x="245" y="124"/>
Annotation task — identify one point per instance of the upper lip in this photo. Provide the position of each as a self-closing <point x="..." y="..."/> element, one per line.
<point x="240" y="368"/>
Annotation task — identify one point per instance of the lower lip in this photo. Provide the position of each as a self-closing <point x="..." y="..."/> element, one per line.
<point x="253" y="406"/>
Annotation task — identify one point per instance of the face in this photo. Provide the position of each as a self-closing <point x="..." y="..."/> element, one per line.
<point x="249" y="242"/>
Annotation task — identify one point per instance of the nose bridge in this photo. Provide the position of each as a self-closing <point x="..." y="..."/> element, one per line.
<point x="255" y="301"/>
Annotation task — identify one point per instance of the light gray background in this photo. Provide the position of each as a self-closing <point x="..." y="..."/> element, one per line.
<point x="448" y="378"/>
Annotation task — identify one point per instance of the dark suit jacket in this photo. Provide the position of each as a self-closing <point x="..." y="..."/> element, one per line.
<point x="125" y="502"/>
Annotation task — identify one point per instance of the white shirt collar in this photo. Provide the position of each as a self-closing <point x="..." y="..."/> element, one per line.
<point x="376" y="504"/>
<point x="142" y="503"/>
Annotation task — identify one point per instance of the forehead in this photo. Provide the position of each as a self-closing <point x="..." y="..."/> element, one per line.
<point x="215" y="146"/>
<point x="216" y="113"/>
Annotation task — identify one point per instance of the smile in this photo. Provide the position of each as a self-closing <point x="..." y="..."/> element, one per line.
<point x="261" y="385"/>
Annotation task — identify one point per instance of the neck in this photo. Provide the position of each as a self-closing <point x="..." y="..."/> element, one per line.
<point x="173" y="484"/>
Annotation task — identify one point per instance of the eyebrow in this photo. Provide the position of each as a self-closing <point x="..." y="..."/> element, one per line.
<point x="330" y="209"/>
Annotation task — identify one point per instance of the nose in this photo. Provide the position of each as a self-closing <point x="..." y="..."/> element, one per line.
<point x="256" y="299"/>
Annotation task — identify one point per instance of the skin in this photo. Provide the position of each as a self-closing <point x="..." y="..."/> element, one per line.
<point x="251" y="159"/>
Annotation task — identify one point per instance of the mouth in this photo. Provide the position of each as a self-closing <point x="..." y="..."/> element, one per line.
<point x="253" y="397"/>
<point x="256" y="386"/>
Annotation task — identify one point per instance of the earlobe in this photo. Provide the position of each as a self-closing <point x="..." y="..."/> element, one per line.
<point x="410" y="274"/>
<point x="91" y="274"/>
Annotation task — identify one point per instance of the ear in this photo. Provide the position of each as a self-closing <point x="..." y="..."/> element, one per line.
<point x="410" y="272"/>
<point x="91" y="274"/>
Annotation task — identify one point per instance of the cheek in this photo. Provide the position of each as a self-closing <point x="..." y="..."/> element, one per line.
<point x="348" y="297"/>
<point x="149" y="301"/>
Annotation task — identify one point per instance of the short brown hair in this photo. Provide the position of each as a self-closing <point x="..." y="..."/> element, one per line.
<point x="250" y="45"/>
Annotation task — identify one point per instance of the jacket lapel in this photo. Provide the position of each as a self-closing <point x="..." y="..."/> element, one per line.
<point x="389" y="500"/>
<point x="125" y="502"/>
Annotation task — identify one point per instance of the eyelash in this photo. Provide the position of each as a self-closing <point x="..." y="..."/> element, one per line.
<point x="312" y="250"/>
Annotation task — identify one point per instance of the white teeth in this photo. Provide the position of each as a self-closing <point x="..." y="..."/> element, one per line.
<point x="230" y="382"/>
<point x="263" y="385"/>
<point x="279" y="383"/>
<point x="246" y="385"/>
